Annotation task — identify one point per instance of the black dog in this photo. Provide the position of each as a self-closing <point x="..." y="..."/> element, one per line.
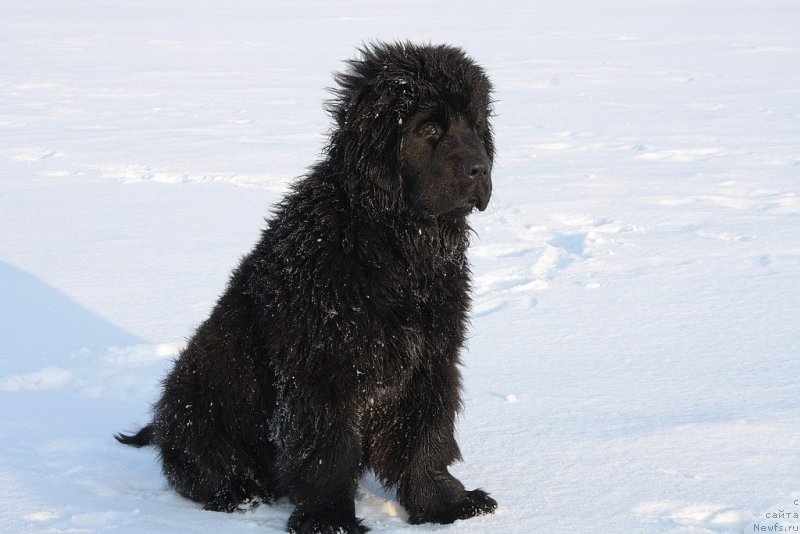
<point x="335" y="347"/>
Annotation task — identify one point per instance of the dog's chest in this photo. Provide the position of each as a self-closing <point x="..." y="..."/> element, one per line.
<point x="414" y="301"/>
<point x="408" y="337"/>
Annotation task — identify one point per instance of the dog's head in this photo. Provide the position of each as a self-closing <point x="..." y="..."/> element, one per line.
<point x="412" y="130"/>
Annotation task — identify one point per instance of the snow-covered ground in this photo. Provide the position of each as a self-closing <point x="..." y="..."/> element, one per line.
<point x="634" y="363"/>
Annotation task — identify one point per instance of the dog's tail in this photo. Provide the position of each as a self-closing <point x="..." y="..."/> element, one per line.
<point x="142" y="438"/>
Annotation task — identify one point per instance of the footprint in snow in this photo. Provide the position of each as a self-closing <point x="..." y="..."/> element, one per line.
<point x="709" y="517"/>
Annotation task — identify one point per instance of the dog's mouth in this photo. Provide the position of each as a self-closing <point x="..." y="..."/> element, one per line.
<point x="480" y="202"/>
<point x="462" y="211"/>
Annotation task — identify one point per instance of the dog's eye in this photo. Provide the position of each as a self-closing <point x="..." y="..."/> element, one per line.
<point x="430" y="130"/>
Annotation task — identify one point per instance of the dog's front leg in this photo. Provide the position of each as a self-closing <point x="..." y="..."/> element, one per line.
<point x="426" y="488"/>
<point x="413" y="444"/>
<point x="320" y="469"/>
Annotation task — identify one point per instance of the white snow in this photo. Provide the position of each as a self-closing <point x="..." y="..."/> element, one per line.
<point x="633" y="363"/>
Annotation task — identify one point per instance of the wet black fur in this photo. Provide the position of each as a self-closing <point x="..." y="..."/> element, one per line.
<point x="335" y="347"/>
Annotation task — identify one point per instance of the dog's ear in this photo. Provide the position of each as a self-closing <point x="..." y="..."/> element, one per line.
<point x="368" y="112"/>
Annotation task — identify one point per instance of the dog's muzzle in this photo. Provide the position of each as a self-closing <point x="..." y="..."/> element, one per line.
<point x="479" y="172"/>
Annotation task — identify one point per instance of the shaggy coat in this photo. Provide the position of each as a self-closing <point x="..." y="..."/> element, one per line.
<point x="335" y="347"/>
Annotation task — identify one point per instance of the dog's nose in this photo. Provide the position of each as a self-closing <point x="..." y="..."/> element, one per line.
<point x="482" y="183"/>
<point x="483" y="194"/>
<point x="479" y="170"/>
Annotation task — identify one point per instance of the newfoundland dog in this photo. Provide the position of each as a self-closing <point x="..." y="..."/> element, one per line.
<point x="335" y="347"/>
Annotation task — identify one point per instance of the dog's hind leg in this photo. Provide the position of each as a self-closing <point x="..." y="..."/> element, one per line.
<point x="201" y="479"/>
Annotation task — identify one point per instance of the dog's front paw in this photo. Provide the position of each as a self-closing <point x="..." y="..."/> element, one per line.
<point x="475" y="502"/>
<point x="324" y="522"/>
<point x="479" y="503"/>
